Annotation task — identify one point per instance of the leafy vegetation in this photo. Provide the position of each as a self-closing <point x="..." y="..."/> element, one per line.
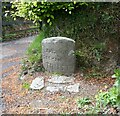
<point x="11" y="29"/>
<point x="104" y="100"/>
<point x="92" y="25"/>
<point x="34" y="50"/>
<point x="33" y="61"/>
<point x="82" y="102"/>
<point x="26" y="85"/>
<point x="43" y="11"/>
<point x="111" y="97"/>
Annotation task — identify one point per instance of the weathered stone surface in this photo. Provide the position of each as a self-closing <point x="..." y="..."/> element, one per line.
<point x="55" y="88"/>
<point x="52" y="89"/>
<point x="37" y="83"/>
<point x="58" y="55"/>
<point x="60" y="79"/>
<point x="73" y="88"/>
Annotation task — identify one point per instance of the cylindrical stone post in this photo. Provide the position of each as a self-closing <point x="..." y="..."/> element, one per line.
<point x="58" y="55"/>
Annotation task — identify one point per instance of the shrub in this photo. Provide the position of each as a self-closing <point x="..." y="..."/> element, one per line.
<point x="110" y="98"/>
<point x="33" y="61"/>
<point x="104" y="100"/>
<point x="34" y="50"/>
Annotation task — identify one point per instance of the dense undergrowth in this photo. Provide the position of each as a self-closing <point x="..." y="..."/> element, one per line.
<point x="95" y="32"/>
<point x="93" y="26"/>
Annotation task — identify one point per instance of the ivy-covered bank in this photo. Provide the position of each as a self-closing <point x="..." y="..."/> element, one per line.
<point x="95" y="33"/>
<point x="94" y="27"/>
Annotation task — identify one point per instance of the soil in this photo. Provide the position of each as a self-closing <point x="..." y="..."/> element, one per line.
<point x="19" y="100"/>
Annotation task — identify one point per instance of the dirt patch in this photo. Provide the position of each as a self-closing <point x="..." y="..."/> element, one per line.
<point x="19" y="100"/>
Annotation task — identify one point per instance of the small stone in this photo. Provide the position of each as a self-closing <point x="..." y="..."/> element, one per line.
<point x="61" y="79"/>
<point x="73" y="88"/>
<point x="81" y="74"/>
<point x="22" y="77"/>
<point x="37" y="83"/>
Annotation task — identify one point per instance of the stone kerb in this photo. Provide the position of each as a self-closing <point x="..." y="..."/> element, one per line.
<point x="58" y="55"/>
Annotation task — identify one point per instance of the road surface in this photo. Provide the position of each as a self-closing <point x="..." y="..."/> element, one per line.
<point x="11" y="54"/>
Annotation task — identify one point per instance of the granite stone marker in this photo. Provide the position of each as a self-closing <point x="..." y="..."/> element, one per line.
<point x="58" y="55"/>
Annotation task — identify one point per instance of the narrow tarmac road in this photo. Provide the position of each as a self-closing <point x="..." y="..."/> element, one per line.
<point x="12" y="52"/>
<point x="10" y="58"/>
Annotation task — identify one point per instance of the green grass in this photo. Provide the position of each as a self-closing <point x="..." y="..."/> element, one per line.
<point x="34" y="50"/>
<point x="33" y="62"/>
<point x="83" y="101"/>
<point x="10" y="34"/>
<point x="26" y="85"/>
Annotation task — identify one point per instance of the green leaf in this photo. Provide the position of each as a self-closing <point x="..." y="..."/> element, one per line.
<point x="70" y="12"/>
<point x="48" y="20"/>
<point x="35" y="3"/>
<point x="52" y="16"/>
<point x="50" y="23"/>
